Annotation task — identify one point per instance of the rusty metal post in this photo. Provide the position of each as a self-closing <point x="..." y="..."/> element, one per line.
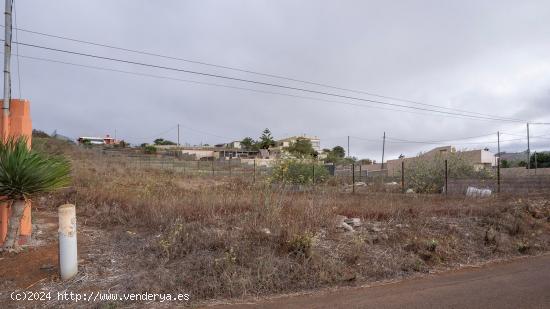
<point x="403" y="176"/>
<point x="313" y="171"/>
<point x="498" y="175"/>
<point x="446" y="177"/>
<point x="353" y="177"/>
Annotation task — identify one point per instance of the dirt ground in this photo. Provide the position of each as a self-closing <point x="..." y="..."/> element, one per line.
<point x="111" y="260"/>
<point x="36" y="267"/>
<point x="519" y="283"/>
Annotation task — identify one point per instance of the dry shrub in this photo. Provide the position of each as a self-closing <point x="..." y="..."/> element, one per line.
<point x="223" y="237"/>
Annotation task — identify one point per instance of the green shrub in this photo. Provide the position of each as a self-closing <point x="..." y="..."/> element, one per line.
<point x="149" y="149"/>
<point x="428" y="175"/>
<point x="300" y="245"/>
<point x="299" y="171"/>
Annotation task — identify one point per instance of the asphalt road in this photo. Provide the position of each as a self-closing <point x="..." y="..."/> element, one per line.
<point x="522" y="283"/>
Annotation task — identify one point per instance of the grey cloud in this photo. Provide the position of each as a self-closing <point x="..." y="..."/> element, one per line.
<point x="458" y="54"/>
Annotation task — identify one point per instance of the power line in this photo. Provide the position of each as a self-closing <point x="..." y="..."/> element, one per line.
<point x="155" y="135"/>
<point x="262" y="83"/>
<point x="253" y="72"/>
<point x="440" y="141"/>
<point x="539" y="136"/>
<point x="228" y="86"/>
<point x="208" y="133"/>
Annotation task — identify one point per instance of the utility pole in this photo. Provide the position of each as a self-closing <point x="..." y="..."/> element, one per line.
<point x="498" y="162"/>
<point x="498" y="143"/>
<point x="7" y="78"/>
<point x="348" y="147"/>
<point x="383" y="149"/>
<point x="528" y="149"/>
<point x="178" y="134"/>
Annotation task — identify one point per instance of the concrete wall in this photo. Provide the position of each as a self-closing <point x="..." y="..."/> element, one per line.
<point x="478" y="158"/>
<point x="522" y="172"/>
<point x="535" y="183"/>
<point x="259" y="162"/>
<point x="19" y="124"/>
<point x="199" y="153"/>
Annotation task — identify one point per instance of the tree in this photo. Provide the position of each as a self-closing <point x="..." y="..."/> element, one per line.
<point x="504" y="163"/>
<point x="427" y="175"/>
<point x="266" y="140"/>
<point x="365" y="161"/>
<point x="543" y="160"/>
<point x="302" y="148"/>
<point x="122" y="144"/>
<point x="23" y="174"/>
<point x="336" y="155"/>
<point x="162" y="141"/>
<point x="299" y="171"/>
<point x="248" y="143"/>
<point x="338" y="152"/>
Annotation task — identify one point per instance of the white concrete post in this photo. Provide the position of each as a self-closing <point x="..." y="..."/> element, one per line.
<point x="68" y="260"/>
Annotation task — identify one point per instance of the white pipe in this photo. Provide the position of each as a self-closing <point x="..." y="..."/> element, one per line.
<point x="68" y="260"/>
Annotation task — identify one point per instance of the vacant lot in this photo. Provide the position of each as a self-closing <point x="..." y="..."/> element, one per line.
<point x="220" y="238"/>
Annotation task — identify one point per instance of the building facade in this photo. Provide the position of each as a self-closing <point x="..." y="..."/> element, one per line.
<point x="478" y="158"/>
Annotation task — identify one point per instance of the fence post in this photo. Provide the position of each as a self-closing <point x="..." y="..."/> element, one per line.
<point x="360" y="167"/>
<point x="213" y="166"/>
<point x="498" y="175"/>
<point x="230" y="172"/>
<point x="535" y="162"/>
<point x="254" y="170"/>
<point x="68" y="260"/>
<point x="446" y="177"/>
<point x="313" y="176"/>
<point x="403" y="176"/>
<point x="353" y="177"/>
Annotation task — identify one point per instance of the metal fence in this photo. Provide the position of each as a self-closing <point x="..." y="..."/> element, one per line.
<point x="349" y="175"/>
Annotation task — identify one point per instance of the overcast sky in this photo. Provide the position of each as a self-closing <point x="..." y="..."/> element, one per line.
<point x="490" y="57"/>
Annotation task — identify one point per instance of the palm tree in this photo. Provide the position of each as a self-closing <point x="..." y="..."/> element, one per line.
<point x="24" y="173"/>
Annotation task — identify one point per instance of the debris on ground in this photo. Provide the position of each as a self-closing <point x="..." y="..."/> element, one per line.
<point x="342" y="222"/>
<point x="353" y="222"/>
<point x="476" y="192"/>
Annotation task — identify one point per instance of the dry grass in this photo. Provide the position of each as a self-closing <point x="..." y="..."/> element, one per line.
<point x="225" y="237"/>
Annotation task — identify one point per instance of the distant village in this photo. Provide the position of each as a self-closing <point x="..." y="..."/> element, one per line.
<point x="267" y="149"/>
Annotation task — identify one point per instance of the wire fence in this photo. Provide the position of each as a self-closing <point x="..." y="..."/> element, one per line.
<point x="353" y="177"/>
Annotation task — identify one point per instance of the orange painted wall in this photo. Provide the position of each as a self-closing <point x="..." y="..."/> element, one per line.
<point x="19" y="123"/>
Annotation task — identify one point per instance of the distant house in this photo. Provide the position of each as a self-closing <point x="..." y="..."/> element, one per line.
<point x="107" y="140"/>
<point x="286" y="142"/>
<point x="479" y="158"/>
<point x="234" y="145"/>
<point x="214" y="153"/>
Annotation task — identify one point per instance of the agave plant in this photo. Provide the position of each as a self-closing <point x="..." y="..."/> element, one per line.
<point x="23" y="174"/>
